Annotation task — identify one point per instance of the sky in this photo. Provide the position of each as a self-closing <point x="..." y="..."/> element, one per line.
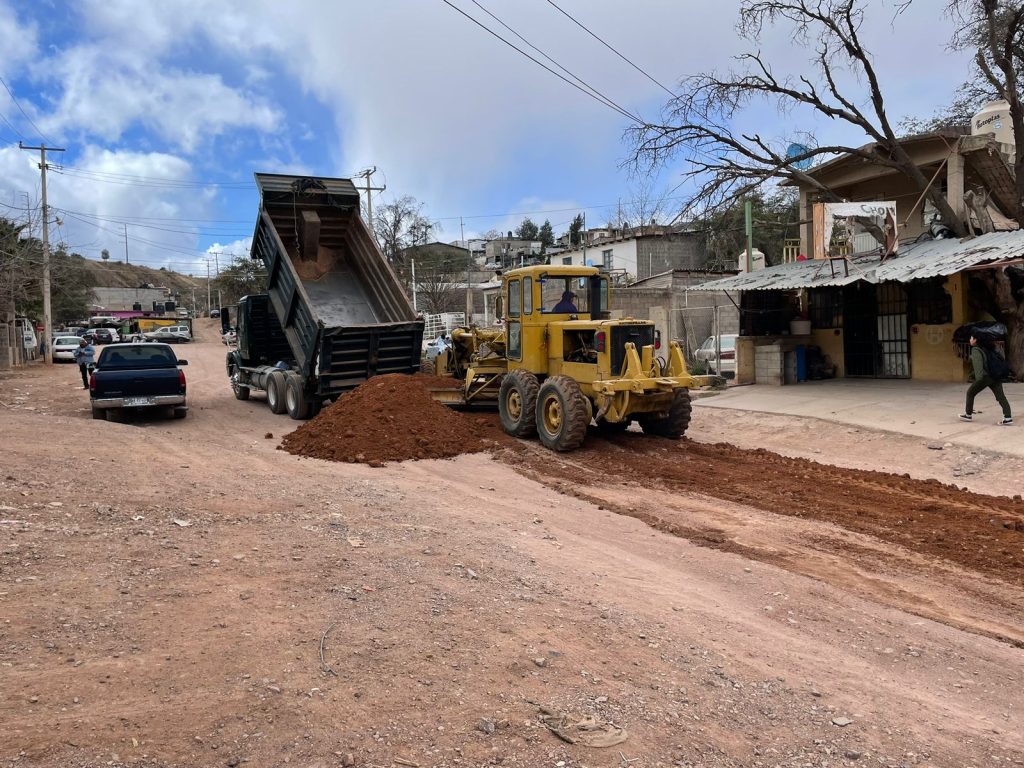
<point x="165" y="110"/>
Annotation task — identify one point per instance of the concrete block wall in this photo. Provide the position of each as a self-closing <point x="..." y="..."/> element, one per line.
<point x="660" y="253"/>
<point x="768" y="363"/>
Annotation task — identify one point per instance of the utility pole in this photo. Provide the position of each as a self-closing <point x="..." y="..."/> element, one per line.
<point x="469" y="273"/>
<point x="369" y="198"/>
<point x="748" y="225"/>
<point x="414" y="307"/>
<point x="47" y="319"/>
<point x="208" y="305"/>
<point x="125" y="243"/>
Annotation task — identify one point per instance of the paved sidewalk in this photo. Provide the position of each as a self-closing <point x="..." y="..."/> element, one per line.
<point x="923" y="409"/>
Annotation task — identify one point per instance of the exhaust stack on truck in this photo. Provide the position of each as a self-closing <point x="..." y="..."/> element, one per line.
<point x="334" y="314"/>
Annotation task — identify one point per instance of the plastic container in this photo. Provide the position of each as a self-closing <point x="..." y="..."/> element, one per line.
<point x="799" y="327"/>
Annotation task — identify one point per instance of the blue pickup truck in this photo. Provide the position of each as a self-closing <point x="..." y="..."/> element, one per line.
<point x="132" y="377"/>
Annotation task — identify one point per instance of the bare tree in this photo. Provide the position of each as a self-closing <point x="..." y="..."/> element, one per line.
<point x="401" y="224"/>
<point x="726" y="165"/>
<point x="843" y="85"/>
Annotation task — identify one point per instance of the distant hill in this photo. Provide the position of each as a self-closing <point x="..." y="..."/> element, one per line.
<point x="115" y="274"/>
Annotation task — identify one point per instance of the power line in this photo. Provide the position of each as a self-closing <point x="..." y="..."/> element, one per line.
<point x="10" y="125"/>
<point x="150" y="181"/>
<point x="542" y="53"/>
<point x="610" y="48"/>
<point x="11" y="93"/>
<point x="514" y="47"/>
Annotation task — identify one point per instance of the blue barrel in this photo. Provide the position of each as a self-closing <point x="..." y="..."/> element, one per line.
<point x="801" y="362"/>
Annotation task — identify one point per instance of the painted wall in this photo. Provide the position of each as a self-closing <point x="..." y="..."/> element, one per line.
<point x="931" y="354"/>
<point x="830" y="340"/>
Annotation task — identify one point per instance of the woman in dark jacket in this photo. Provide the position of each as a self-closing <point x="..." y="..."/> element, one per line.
<point x="982" y="379"/>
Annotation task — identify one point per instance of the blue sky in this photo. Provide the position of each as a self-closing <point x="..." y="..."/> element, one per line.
<point x="167" y="109"/>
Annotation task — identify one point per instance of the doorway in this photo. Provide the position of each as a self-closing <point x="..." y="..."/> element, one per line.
<point x="875" y="339"/>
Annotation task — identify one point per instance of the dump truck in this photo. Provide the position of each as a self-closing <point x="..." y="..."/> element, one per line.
<point x="559" y="362"/>
<point x="334" y="313"/>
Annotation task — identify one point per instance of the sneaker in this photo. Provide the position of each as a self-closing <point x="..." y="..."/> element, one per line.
<point x="1006" y="422"/>
<point x="966" y="417"/>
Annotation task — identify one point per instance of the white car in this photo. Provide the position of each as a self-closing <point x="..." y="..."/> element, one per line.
<point x="64" y="347"/>
<point x="169" y="334"/>
<point x="706" y="353"/>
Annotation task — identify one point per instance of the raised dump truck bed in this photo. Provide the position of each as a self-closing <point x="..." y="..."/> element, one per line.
<point x="339" y="304"/>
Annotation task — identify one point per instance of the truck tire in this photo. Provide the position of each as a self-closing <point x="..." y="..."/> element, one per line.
<point x="517" y="403"/>
<point x="99" y="413"/>
<point x="180" y="413"/>
<point x="275" y="391"/>
<point x="675" y="423"/>
<point x="241" y="391"/>
<point x="296" y="402"/>
<point x="562" y="414"/>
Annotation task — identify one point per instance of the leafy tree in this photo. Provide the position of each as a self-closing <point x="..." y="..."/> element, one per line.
<point x="575" y="228"/>
<point x="243" y="277"/>
<point x="546" y="236"/>
<point x="843" y="85"/>
<point x="527" y="230"/>
<point x="775" y="218"/>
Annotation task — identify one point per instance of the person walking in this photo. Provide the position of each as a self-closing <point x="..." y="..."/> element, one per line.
<point x="85" y="356"/>
<point x="981" y="356"/>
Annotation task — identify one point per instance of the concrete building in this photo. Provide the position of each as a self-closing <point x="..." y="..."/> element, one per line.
<point x="125" y="299"/>
<point x="639" y="255"/>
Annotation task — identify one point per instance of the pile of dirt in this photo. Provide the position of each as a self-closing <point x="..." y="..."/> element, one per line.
<point x="392" y="418"/>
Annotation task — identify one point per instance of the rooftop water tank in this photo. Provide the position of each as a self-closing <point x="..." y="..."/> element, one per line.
<point x="994" y="117"/>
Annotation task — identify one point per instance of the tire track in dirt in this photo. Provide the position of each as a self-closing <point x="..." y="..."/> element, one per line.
<point x="980" y="533"/>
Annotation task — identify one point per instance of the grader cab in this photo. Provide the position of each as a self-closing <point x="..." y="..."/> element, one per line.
<point x="558" y="362"/>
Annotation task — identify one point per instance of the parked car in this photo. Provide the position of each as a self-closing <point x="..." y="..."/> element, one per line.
<point x="64" y="347"/>
<point x="172" y="334"/>
<point x="130" y="377"/>
<point x="101" y="336"/>
<point x="214" y="313"/>
<point x="706" y="353"/>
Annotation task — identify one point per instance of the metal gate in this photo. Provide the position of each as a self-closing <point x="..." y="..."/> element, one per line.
<point x="875" y="340"/>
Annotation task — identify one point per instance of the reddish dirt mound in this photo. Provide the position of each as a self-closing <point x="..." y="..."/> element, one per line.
<point x="392" y="418"/>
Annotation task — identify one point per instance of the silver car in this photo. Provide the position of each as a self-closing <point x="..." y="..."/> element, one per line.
<point x="706" y="352"/>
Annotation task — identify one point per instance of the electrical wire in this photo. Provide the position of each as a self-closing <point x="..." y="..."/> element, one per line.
<point x="11" y="93"/>
<point x="546" y="56"/>
<point x="638" y="68"/>
<point x="10" y="125"/>
<point x="540" y="64"/>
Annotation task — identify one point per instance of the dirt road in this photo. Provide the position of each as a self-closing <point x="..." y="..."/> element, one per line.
<point x="183" y="593"/>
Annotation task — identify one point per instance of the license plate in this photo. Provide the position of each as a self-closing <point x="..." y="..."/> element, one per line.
<point x="138" y="401"/>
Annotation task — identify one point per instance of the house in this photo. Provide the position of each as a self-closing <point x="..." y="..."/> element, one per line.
<point x="509" y="253"/>
<point x="858" y="308"/>
<point x="638" y="254"/>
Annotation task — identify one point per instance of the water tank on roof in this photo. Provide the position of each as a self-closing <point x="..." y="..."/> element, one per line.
<point x="994" y="117"/>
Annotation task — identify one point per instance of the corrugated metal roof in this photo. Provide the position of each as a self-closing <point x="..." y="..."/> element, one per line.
<point x="931" y="258"/>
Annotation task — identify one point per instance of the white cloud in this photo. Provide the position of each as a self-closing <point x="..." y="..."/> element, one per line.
<point x="106" y="89"/>
<point x="18" y="42"/>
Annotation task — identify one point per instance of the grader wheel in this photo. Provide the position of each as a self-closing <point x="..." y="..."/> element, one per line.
<point x="675" y="423"/>
<point x="517" y="402"/>
<point x="562" y="414"/>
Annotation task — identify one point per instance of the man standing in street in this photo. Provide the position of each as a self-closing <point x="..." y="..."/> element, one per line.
<point x="85" y="356"/>
<point x="981" y="358"/>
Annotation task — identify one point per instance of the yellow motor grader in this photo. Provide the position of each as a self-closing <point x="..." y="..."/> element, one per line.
<point x="558" y="362"/>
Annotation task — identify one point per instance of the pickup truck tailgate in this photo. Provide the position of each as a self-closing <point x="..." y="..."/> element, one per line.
<point x="142" y="383"/>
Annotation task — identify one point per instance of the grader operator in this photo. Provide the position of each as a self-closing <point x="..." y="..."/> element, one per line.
<point x="558" y="362"/>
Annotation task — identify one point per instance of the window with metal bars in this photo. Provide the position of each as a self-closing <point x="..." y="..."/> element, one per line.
<point x="825" y="307"/>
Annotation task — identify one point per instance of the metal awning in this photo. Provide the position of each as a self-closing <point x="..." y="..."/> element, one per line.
<point x="931" y="258"/>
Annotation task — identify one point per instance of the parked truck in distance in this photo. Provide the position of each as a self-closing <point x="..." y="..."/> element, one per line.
<point x="334" y="313"/>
